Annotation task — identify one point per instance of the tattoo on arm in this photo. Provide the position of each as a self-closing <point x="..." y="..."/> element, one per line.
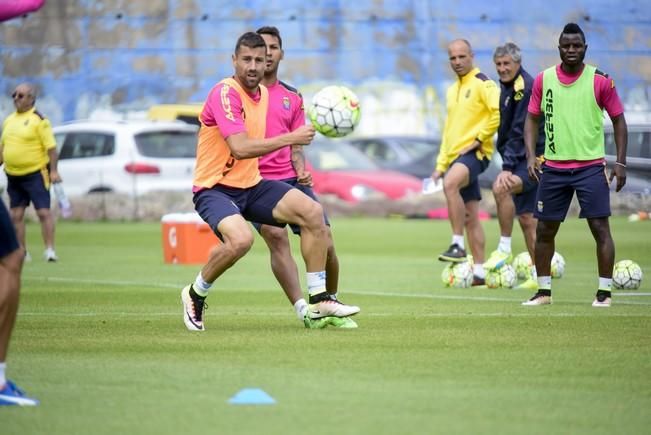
<point x="298" y="159"/>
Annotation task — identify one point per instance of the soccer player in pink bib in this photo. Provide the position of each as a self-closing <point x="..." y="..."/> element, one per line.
<point x="287" y="164"/>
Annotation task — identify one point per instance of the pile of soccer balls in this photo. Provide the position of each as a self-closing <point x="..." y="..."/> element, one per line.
<point x="334" y="111"/>
<point x="627" y="274"/>
<point x="460" y="275"/>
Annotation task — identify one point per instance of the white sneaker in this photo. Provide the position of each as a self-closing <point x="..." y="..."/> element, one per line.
<point x="50" y="255"/>
<point x="193" y="309"/>
<point x="538" y="299"/>
<point x="603" y="303"/>
<point x="28" y="257"/>
<point x="331" y="307"/>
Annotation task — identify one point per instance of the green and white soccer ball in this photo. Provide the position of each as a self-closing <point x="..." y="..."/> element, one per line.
<point x="493" y="278"/>
<point x="522" y="264"/>
<point x="457" y="275"/>
<point x="627" y="274"/>
<point x="508" y="276"/>
<point x="558" y="265"/>
<point x="505" y="276"/>
<point x="334" y="111"/>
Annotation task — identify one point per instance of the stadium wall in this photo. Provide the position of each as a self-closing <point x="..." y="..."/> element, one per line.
<point x="115" y="58"/>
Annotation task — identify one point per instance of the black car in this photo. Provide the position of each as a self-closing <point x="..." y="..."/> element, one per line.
<point x="414" y="155"/>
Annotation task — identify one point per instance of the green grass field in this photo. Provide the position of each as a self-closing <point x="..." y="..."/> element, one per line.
<point x="101" y="342"/>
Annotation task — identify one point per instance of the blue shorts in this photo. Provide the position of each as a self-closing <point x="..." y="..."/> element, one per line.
<point x="8" y="240"/>
<point x="557" y="187"/>
<point x="255" y="204"/>
<point x="475" y="166"/>
<point x="525" y="201"/>
<point x="23" y="189"/>
<point x="306" y="190"/>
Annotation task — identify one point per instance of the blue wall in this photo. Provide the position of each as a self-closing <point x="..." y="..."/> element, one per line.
<point x="97" y="58"/>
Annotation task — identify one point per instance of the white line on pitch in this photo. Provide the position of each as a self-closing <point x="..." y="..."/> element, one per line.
<point x="364" y="293"/>
<point x="529" y="313"/>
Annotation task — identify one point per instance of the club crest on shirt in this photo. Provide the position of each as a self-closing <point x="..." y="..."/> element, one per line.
<point x="468" y="93"/>
<point x="286" y="103"/>
<point x="518" y="95"/>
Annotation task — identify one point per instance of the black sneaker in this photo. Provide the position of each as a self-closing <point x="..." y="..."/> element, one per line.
<point x="477" y="281"/>
<point x="454" y="254"/>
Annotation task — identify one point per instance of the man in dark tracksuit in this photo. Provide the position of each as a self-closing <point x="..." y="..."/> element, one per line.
<point x="514" y="191"/>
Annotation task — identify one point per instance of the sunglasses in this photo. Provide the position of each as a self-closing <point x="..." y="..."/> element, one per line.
<point x="18" y="95"/>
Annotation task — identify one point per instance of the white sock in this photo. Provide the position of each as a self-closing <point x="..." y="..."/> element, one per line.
<point x="301" y="308"/>
<point x="200" y="286"/>
<point x="534" y="274"/>
<point x="316" y="282"/>
<point x="504" y="245"/>
<point x="545" y="282"/>
<point x="478" y="269"/>
<point x="3" y="379"/>
<point x="458" y="239"/>
<point x="605" y="284"/>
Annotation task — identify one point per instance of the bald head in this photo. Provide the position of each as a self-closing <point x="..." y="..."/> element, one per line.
<point x="460" y="43"/>
<point x="24" y="97"/>
<point x="461" y="57"/>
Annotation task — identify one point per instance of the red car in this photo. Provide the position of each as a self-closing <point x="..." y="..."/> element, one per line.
<point x="340" y="169"/>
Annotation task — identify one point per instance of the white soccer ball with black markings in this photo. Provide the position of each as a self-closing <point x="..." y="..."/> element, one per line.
<point x="334" y="111"/>
<point x="627" y="274"/>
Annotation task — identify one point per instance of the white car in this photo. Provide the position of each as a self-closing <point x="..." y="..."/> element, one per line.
<point x="129" y="157"/>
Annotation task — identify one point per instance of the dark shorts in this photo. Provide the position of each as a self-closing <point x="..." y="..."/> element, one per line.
<point x="306" y="190"/>
<point x="525" y="201"/>
<point x="557" y="187"/>
<point x="23" y="189"/>
<point x="475" y="166"/>
<point x="8" y="240"/>
<point x="255" y="204"/>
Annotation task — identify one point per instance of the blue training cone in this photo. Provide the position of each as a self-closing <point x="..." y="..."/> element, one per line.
<point x="251" y="396"/>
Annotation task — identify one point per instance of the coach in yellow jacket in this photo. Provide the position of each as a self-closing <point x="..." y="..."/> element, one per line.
<point x="28" y="150"/>
<point x="473" y="116"/>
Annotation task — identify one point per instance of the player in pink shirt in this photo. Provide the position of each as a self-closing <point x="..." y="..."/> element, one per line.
<point x="287" y="164"/>
<point x="570" y="99"/>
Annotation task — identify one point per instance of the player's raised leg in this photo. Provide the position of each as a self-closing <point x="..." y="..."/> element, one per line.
<point x="505" y="213"/>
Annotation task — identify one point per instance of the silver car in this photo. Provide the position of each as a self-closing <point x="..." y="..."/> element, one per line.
<point x="129" y="157"/>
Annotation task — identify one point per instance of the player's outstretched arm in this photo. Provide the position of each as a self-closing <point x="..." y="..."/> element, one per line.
<point x="244" y="147"/>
